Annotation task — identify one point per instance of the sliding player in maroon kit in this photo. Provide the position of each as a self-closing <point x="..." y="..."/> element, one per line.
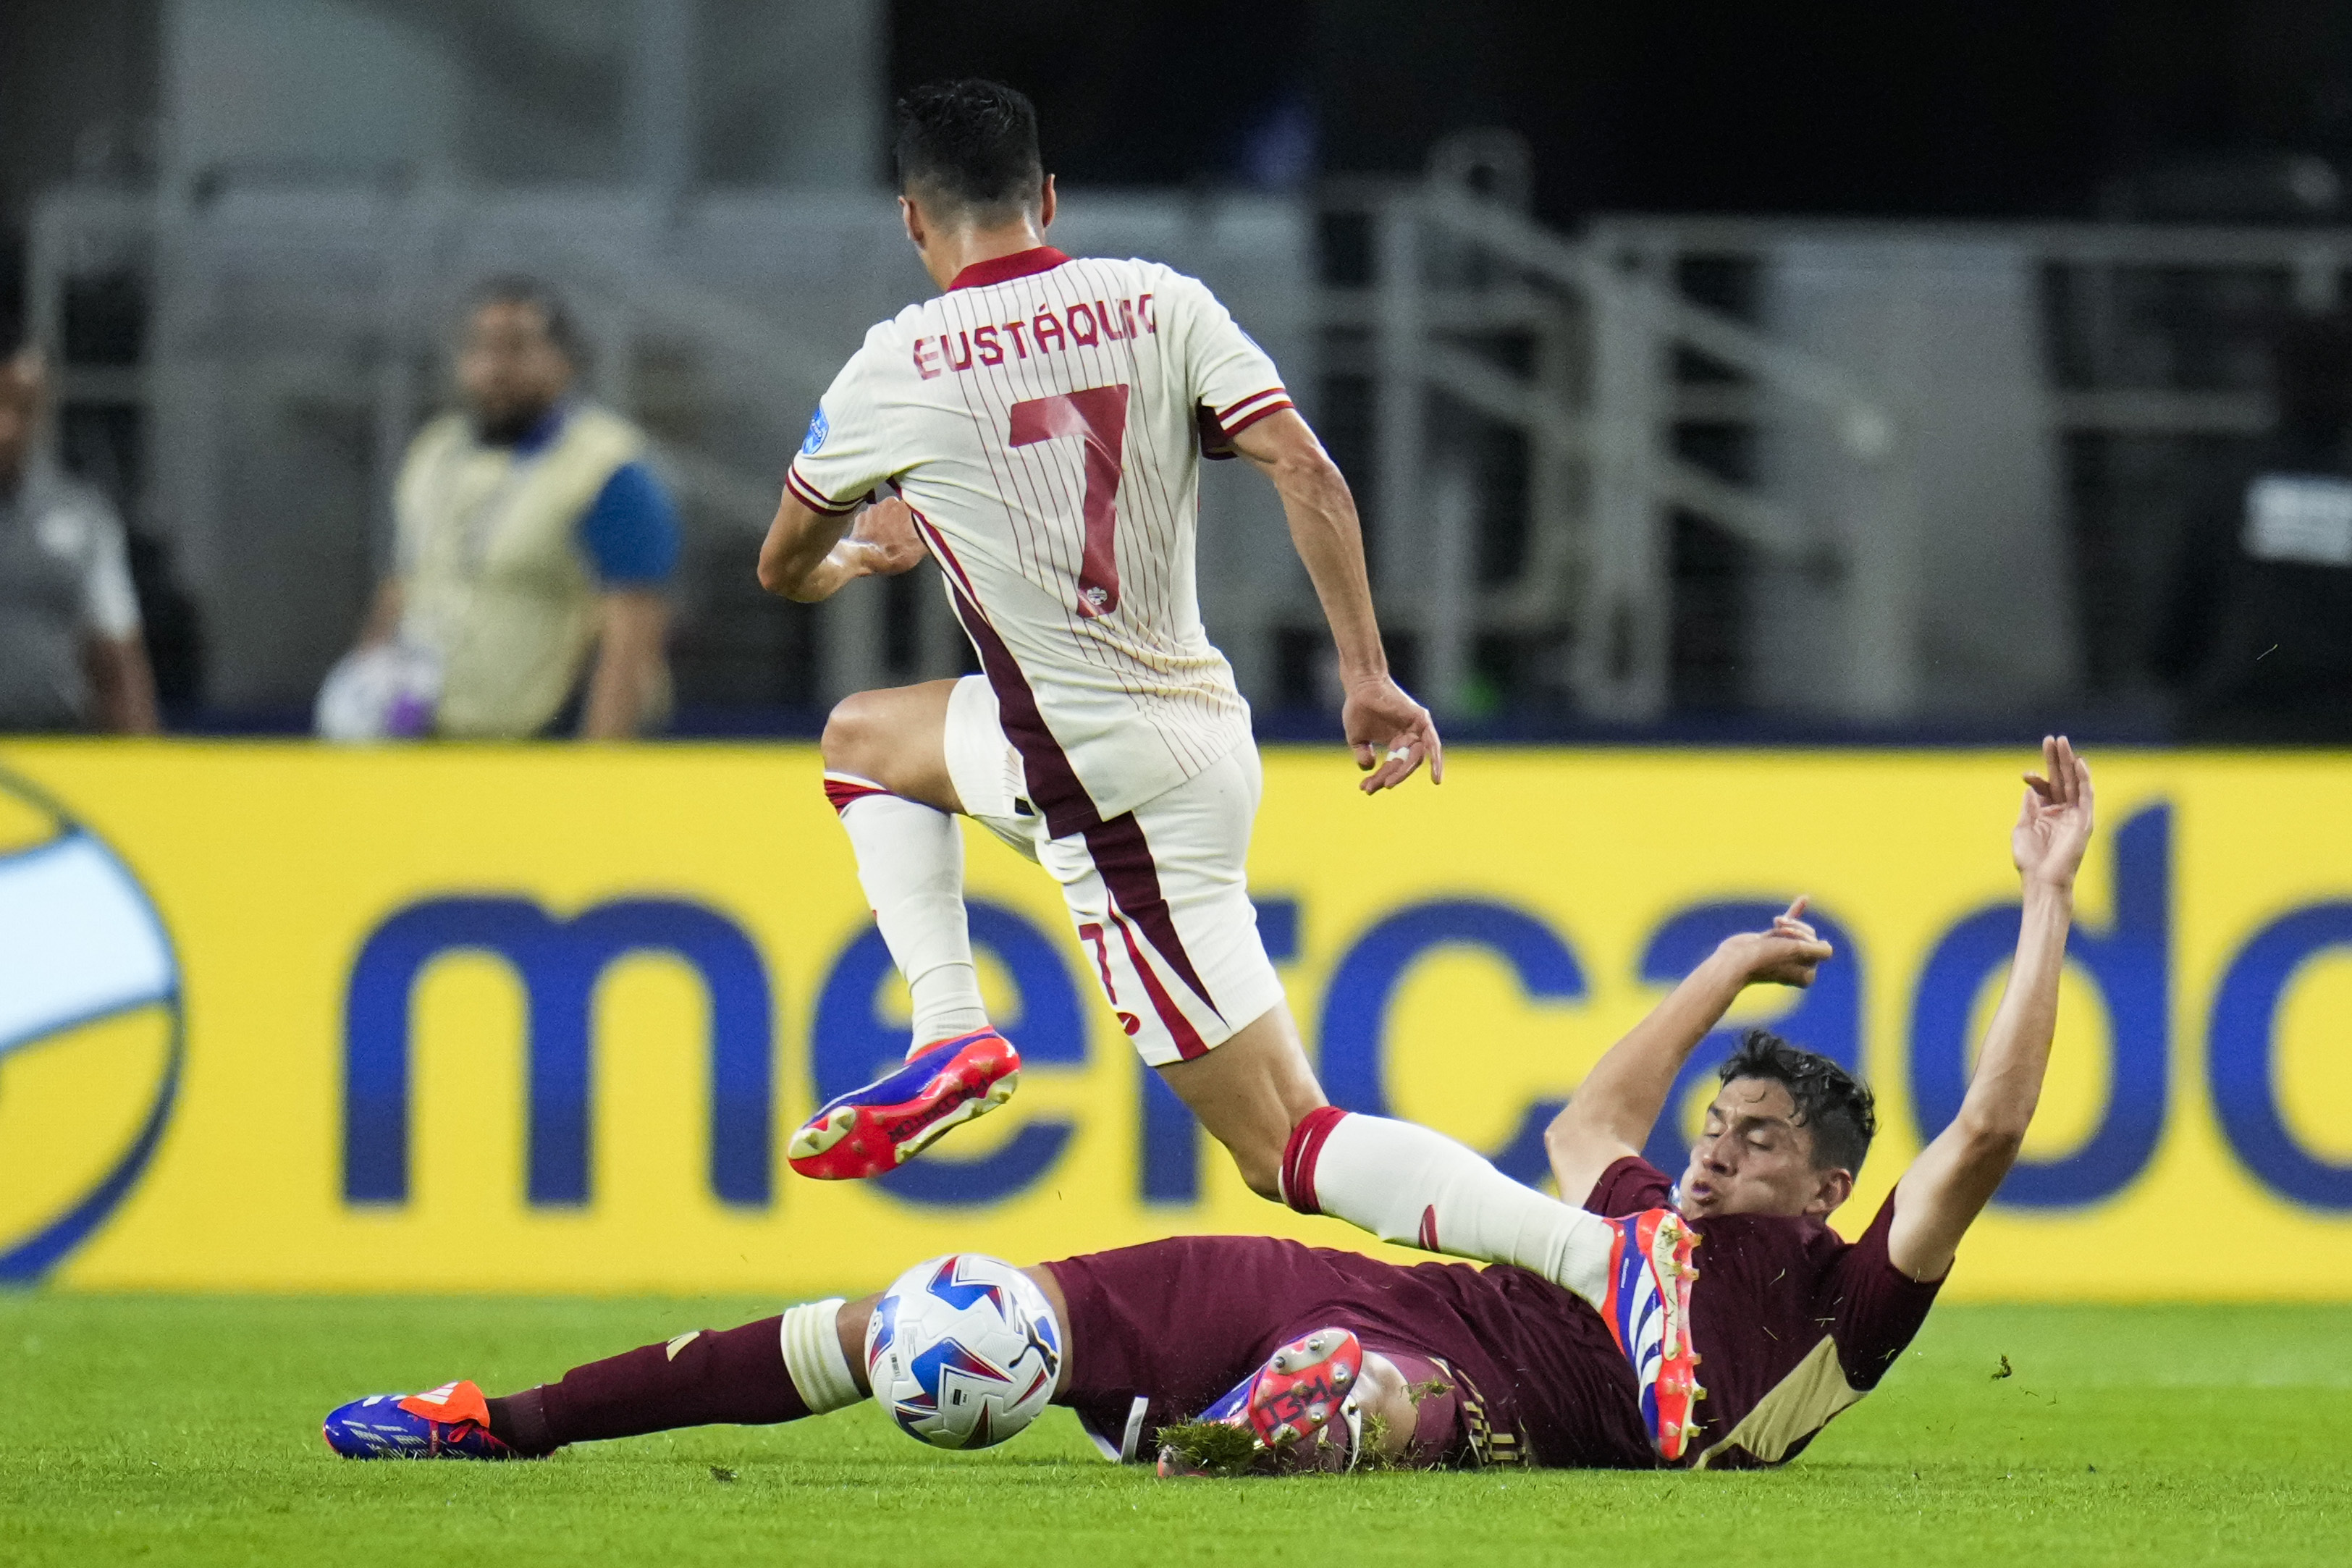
<point x="1450" y="1364"/>
<point x="1040" y="426"/>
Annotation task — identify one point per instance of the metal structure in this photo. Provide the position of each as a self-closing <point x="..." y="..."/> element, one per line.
<point x="1465" y="283"/>
<point x="1527" y="404"/>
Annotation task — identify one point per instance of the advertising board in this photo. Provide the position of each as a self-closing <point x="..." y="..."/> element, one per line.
<point x="280" y="1017"/>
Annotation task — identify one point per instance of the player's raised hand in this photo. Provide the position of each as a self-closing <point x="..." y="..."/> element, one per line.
<point x="1792" y="922"/>
<point x="2054" y="826"/>
<point x="1787" y="955"/>
<point x="883" y="542"/>
<point x="1390" y="733"/>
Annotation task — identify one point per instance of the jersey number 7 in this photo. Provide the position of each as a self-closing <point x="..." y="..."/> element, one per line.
<point x="1099" y="415"/>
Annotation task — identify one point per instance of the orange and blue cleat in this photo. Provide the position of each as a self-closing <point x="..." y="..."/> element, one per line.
<point x="451" y="1422"/>
<point x="1300" y="1408"/>
<point x="1648" y="1314"/>
<point x="880" y="1128"/>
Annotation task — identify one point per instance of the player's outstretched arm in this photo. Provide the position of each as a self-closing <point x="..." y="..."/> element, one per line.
<point x="806" y="558"/>
<point x="1621" y="1098"/>
<point x="1391" y="734"/>
<point x="1950" y="1183"/>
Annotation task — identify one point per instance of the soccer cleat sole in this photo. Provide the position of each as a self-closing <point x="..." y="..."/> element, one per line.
<point x="1305" y="1390"/>
<point x="1305" y="1385"/>
<point x="1658" y="1277"/>
<point x="857" y="1137"/>
<point x="1677" y="1388"/>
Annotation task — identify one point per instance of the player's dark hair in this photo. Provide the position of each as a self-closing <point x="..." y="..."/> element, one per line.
<point x="1830" y="1103"/>
<point x="972" y="145"/>
<point x="517" y="288"/>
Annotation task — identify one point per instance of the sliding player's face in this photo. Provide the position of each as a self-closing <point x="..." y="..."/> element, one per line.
<point x="1754" y="1157"/>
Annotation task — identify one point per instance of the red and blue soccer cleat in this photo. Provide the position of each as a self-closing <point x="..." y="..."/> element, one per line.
<point x="1289" y="1405"/>
<point x="1648" y="1314"/>
<point x="452" y="1422"/>
<point x="882" y="1126"/>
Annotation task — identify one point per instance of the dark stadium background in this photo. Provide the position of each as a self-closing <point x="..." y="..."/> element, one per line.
<point x="2163" y="112"/>
<point x="1929" y="110"/>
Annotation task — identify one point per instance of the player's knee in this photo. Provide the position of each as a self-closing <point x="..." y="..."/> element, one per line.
<point x="1385" y="1401"/>
<point x="856" y="737"/>
<point x="1260" y="1164"/>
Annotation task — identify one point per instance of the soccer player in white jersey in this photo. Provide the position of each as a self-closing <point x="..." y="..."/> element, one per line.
<point x="1039" y="428"/>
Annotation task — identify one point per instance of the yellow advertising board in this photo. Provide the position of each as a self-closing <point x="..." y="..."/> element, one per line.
<point x="275" y="1017"/>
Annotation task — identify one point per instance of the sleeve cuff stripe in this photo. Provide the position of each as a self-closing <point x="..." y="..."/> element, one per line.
<point x="1226" y="414"/>
<point x="809" y="496"/>
<point x="1236" y="426"/>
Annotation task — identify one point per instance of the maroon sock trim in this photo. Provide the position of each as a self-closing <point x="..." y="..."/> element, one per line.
<point x="841" y="792"/>
<point x="1300" y="1154"/>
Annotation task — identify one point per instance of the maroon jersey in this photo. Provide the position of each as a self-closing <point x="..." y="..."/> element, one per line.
<point x="1792" y="1322"/>
<point x="1159" y="1332"/>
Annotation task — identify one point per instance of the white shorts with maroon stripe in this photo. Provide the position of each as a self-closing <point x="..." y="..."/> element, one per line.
<point x="1158" y="896"/>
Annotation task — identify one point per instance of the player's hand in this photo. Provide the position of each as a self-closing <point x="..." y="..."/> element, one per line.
<point x="883" y="542"/>
<point x="2054" y="826"/>
<point x="1787" y="955"/>
<point x="1391" y="734"/>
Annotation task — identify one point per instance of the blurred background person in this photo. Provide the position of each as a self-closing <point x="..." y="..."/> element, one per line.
<point x="530" y="535"/>
<point x="2260" y="633"/>
<point x="71" y="654"/>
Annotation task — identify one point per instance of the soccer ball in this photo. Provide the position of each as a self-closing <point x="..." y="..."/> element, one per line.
<point x="963" y="1350"/>
<point x="387" y="692"/>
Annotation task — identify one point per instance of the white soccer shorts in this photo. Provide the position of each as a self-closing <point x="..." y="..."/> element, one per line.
<point x="1158" y="896"/>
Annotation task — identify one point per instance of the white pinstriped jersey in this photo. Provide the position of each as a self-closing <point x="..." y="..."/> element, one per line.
<point x="1041" y="417"/>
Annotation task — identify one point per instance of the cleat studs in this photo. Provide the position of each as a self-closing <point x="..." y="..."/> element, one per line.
<point x="1339" y="1376"/>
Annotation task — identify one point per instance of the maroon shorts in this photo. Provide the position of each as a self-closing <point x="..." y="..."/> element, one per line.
<point x="1159" y="1332"/>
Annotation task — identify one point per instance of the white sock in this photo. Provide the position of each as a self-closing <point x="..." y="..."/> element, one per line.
<point x="910" y="863"/>
<point x="813" y="1355"/>
<point x="1408" y="1185"/>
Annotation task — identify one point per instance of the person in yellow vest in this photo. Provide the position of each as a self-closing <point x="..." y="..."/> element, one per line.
<point x="532" y="534"/>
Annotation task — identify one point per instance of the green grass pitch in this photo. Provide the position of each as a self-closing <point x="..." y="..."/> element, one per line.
<point x="185" y="1430"/>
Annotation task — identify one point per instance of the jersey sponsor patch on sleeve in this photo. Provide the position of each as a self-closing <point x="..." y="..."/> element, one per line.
<point x="817" y="431"/>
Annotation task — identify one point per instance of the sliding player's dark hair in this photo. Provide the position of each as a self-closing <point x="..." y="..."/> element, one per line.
<point x="971" y="144"/>
<point x="1830" y="1103"/>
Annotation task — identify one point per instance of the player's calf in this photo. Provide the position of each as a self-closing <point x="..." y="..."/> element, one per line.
<point x="698" y="1378"/>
